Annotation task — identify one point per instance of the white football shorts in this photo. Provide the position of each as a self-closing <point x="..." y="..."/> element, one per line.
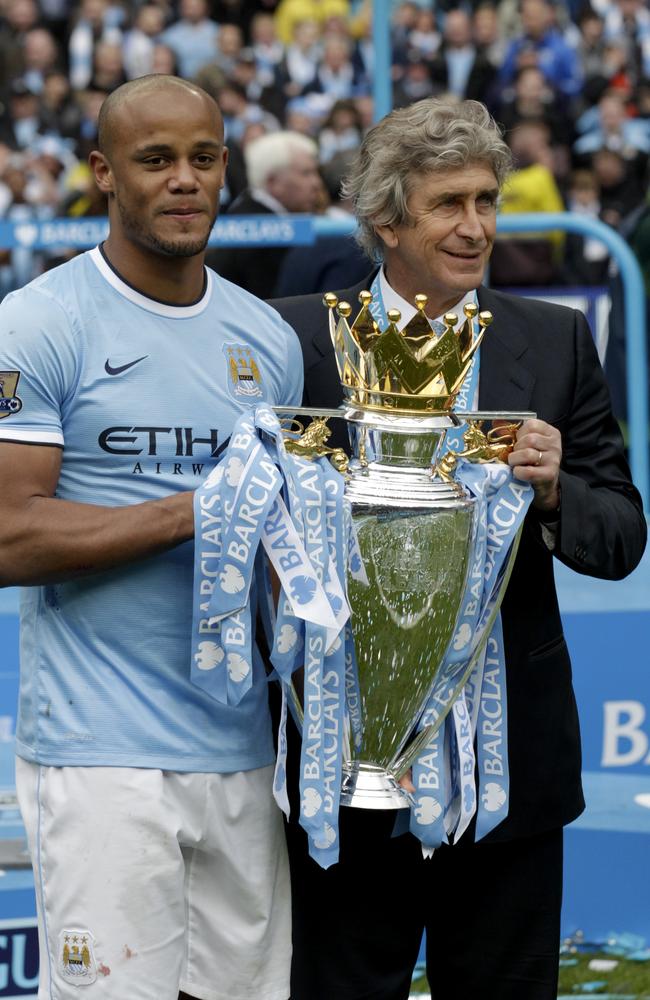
<point x="149" y="882"/>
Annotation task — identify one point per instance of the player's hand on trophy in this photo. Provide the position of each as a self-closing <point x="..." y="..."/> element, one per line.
<point x="536" y="458"/>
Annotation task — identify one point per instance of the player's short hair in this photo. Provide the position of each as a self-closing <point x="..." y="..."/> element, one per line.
<point x="151" y="84"/>
<point x="270" y="153"/>
<point x="431" y="136"/>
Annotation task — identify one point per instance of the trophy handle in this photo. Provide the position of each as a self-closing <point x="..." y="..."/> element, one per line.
<point x="481" y="447"/>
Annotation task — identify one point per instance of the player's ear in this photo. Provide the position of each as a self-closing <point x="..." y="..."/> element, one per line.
<point x="102" y="171"/>
<point x="387" y="235"/>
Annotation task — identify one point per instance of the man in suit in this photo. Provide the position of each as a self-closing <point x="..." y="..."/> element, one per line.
<point x="283" y="177"/>
<point x="459" y="67"/>
<point x="425" y="190"/>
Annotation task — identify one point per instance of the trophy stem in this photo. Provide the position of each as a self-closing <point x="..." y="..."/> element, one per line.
<point x="371" y="787"/>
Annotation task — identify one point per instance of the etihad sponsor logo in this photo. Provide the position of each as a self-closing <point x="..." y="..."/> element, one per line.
<point x="9" y="401"/>
<point x="152" y="440"/>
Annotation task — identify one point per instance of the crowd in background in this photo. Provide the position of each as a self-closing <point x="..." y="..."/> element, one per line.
<point x="569" y="81"/>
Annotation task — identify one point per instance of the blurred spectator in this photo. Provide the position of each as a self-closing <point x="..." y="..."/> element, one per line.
<point x="283" y="177"/>
<point x="404" y="23"/>
<point x="19" y="265"/>
<point x="621" y="187"/>
<point x="108" y="67"/>
<point x="586" y="259"/>
<point x="164" y="60"/>
<point x="414" y="83"/>
<point x="49" y="167"/>
<point x="268" y="97"/>
<point x="96" y="22"/>
<point x="40" y="56"/>
<point x="19" y="17"/>
<point x="541" y="44"/>
<point x="333" y="260"/>
<point x="140" y="41"/>
<point x="424" y="38"/>
<point x="529" y="258"/>
<point x="628" y="21"/>
<point x="307" y="114"/>
<point x="459" y="68"/>
<point x="20" y="125"/>
<point x="302" y="55"/>
<point x="90" y="101"/>
<point x="335" y="75"/>
<point x="614" y="76"/>
<point x="533" y="98"/>
<point x="238" y="113"/>
<point x="487" y="37"/>
<point x="267" y="48"/>
<point x="614" y="130"/>
<point x="341" y="130"/>
<point x="192" y="38"/>
<point x="591" y="44"/>
<point x="230" y="42"/>
<point x="59" y="112"/>
<point x="292" y="12"/>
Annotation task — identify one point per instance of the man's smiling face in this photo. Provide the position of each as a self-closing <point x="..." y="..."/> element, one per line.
<point x="444" y="249"/>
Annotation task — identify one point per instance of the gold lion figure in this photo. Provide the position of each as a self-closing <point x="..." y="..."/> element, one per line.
<point x="311" y="444"/>
<point x="495" y="446"/>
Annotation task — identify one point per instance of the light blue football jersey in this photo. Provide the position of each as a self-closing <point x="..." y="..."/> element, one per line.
<point x="141" y="396"/>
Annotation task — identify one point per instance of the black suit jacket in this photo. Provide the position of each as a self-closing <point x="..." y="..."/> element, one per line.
<point x="541" y="357"/>
<point x="253" y="268"/>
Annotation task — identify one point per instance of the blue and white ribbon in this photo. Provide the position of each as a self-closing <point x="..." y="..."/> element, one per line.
<point x="260" y="498"/>
<point x="479" y="713"/>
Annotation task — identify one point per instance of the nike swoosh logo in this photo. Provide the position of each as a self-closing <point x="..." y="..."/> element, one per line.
<point x="123" y="368"/>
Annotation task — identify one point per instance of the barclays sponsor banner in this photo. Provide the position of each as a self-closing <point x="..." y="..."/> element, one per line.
<point x="18" y="959"/>
<point x="229" y="231"/>
<point x="610" y="656"/>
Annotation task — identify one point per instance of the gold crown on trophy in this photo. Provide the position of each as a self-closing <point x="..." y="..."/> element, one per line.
<point x="416" y="370"/>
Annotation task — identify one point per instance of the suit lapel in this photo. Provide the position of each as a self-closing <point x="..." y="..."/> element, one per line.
<point x="505" y="381"/>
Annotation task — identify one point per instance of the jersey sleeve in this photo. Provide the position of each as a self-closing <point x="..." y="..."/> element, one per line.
<point x="38" y="368"/>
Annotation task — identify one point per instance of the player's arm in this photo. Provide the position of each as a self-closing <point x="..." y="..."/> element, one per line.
<point x="44" y="539"/>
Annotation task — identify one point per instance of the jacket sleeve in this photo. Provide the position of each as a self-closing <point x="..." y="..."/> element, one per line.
<point x="602" y="531"/>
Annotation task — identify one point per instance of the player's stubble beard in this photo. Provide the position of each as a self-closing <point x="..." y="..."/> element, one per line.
<point x="143" y="236"/>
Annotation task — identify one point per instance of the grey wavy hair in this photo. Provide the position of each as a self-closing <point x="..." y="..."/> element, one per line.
<point x="432" y="135"/>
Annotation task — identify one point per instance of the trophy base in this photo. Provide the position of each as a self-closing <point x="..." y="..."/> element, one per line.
<point x="367" y="786"/>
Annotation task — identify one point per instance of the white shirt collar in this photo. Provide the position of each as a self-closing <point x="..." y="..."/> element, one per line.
<point x="392" y="300"/>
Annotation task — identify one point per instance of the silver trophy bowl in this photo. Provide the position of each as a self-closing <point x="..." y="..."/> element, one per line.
<point x="416" y="534"/>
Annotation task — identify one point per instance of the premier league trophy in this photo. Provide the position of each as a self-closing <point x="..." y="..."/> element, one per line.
<point x="385" y="636"/>
<point x="415" y="524"/>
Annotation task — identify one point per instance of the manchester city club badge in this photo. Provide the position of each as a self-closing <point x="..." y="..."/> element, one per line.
<point x="9" y="401"/>
<point x="244" y="376"/>
<point x="77" y="957"/>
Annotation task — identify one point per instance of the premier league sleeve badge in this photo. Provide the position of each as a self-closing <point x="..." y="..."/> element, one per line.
<point x="9" y="401"/>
